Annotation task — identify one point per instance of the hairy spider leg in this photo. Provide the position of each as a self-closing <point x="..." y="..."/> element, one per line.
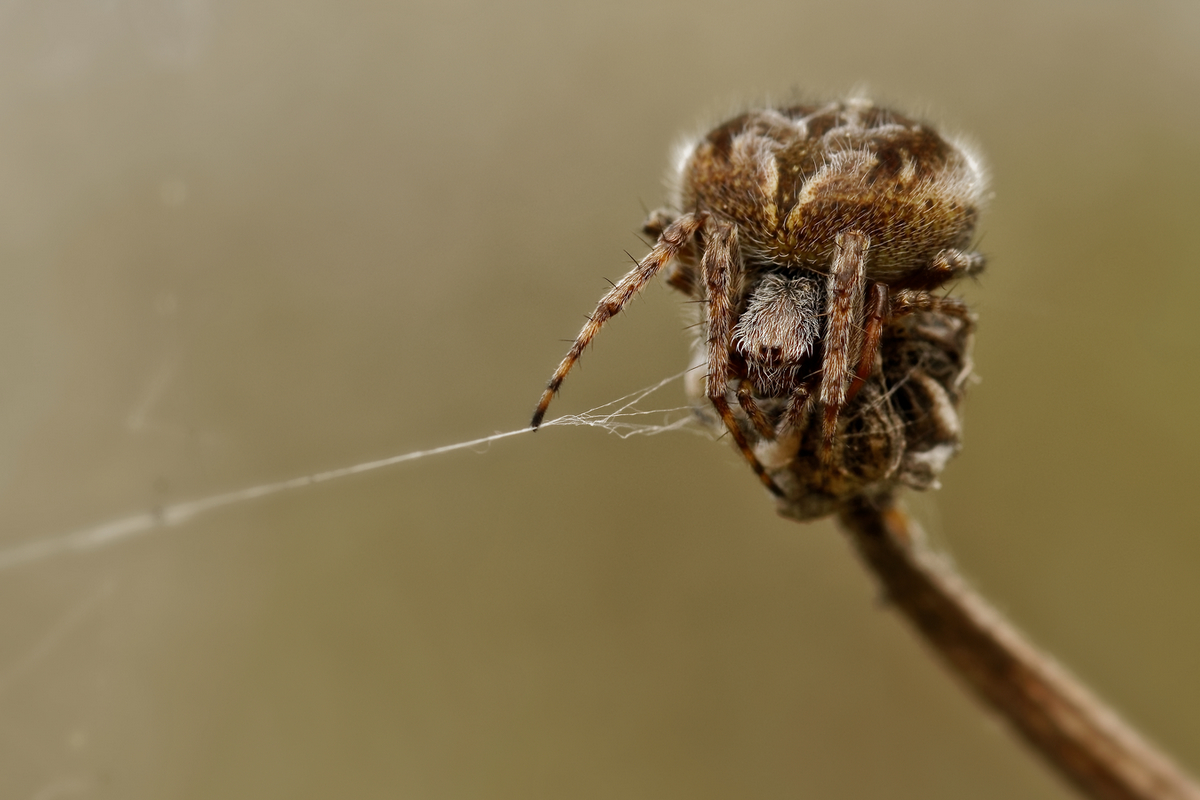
<point x="954" y="263"/>
<point x="877" y="313"/>
<point x="847" y="279"/>
<point x="673" y="240"/>
<point x="745" y="396"/>
<point x="910" y="301"/>
<point x="797" y="407"/>
<point x="946" y="265"/>
<point x="880" y="310"/>
<point x="720" y="264"/>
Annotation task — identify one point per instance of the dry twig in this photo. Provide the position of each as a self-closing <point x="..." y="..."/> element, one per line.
<point x="1075" y="731"/>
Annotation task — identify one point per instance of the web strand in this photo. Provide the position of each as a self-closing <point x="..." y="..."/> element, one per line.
<point x="619" y="420"/>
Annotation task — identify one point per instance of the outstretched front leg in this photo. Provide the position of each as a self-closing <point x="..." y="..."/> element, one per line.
<point x="720" y="265"/>
<point x="674" y="238"/>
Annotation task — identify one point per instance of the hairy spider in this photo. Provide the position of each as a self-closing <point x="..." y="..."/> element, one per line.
<point x="805" y="232"/>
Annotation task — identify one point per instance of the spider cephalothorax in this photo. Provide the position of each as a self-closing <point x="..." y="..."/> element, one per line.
<point x="806" y="233"/>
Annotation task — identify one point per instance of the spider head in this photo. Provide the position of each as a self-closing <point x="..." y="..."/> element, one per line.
<point x="778" y="331"/>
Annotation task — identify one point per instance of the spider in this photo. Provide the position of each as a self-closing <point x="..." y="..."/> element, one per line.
<point x="803" y="232"/>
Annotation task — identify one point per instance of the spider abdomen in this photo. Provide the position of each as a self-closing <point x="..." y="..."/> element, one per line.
<point x="793" y="179"/>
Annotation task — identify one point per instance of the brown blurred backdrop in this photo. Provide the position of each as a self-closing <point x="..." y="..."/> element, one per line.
<point x="241" y="242"/>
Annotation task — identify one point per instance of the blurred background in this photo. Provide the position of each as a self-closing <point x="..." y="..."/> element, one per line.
<point x="245" y="241"/>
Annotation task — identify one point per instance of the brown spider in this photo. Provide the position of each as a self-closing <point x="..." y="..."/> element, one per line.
<point x="804" y="232"/>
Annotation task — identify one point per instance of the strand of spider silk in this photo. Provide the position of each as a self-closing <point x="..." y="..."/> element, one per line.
<point x="118" y="530"/>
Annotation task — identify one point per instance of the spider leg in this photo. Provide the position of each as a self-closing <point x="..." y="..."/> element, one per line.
<point x="797" y="407"/>
<point x="847" y="279"/>
<point x="719" y="263"/>
<point x="658" y="221"/>
<point x="674" y="238"/>
<point x="682" y="275"/>
<point x="959" y="262"/>
<point x="877" y="313"/>
<point x="745" y="396"/>
<point x="948" y="265"/>
<point x="910" y="301"/>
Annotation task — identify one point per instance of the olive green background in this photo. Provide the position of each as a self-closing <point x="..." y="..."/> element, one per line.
<point x="244" y="241"/>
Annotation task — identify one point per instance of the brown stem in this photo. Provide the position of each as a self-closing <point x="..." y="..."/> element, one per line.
<point x="1069" y="726"/>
